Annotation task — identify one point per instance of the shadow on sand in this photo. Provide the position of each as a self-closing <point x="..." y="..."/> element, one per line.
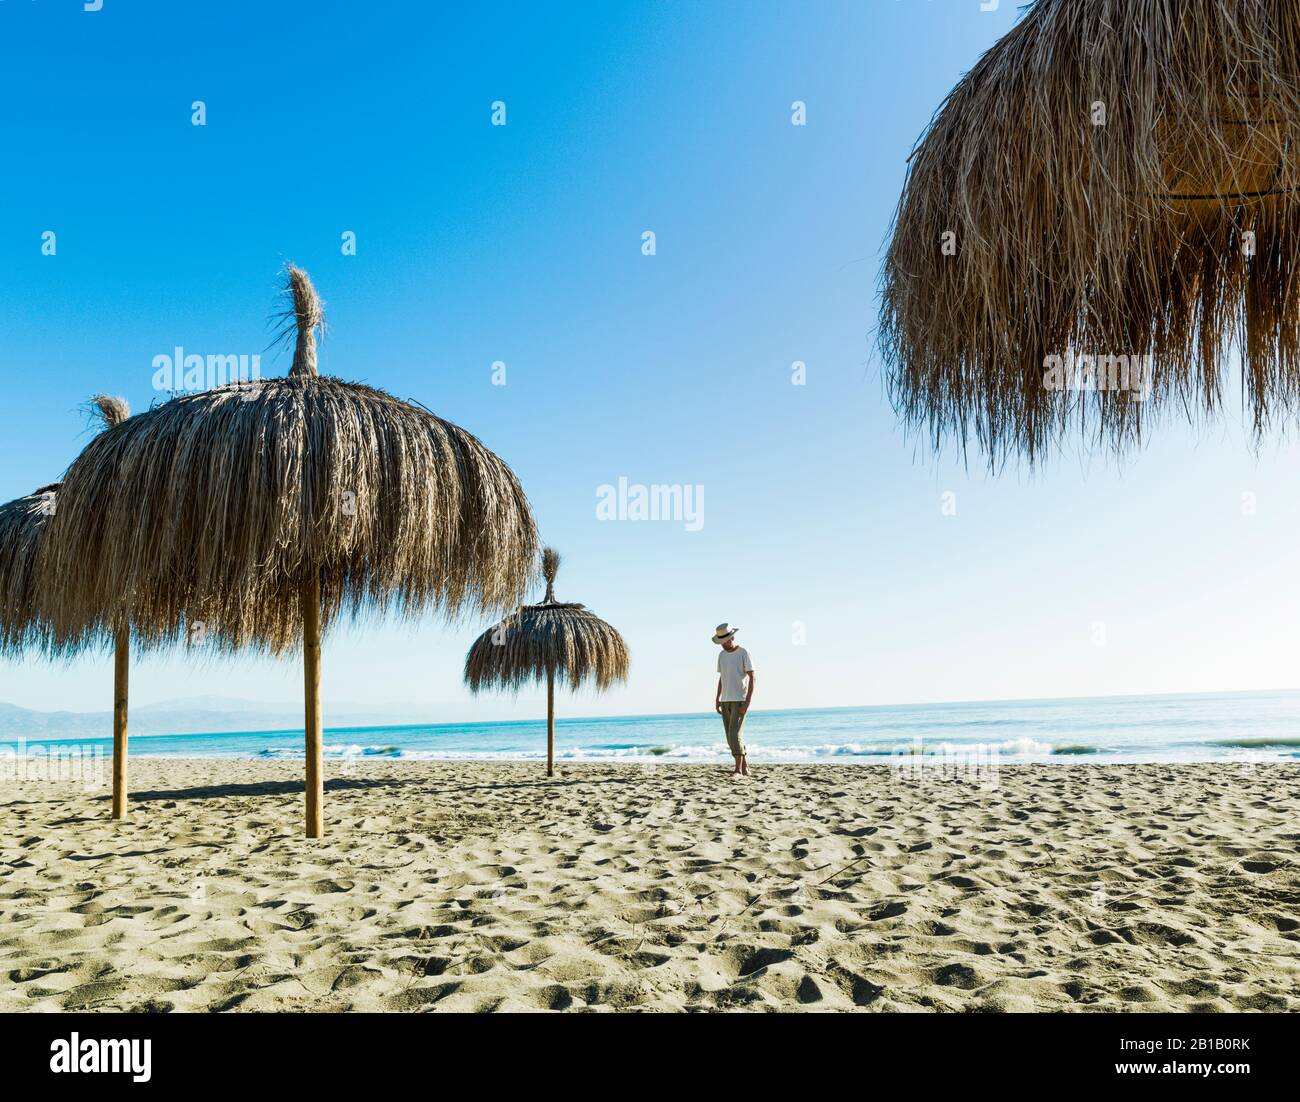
<point x="267" y="788"/>
<point x="342" y="784"/>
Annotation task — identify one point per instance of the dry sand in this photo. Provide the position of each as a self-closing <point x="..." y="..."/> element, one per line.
<point x="470" y="886"/>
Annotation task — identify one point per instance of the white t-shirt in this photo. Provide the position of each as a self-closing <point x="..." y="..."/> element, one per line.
<point x="733" y="665"/>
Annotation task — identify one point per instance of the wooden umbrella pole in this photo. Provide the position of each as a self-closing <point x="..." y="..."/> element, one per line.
<point x="121" y="678"/>
<point x="311" y="702"/>
<point x="550" y="723"/>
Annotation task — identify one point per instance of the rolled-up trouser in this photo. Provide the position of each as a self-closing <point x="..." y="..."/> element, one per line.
<point x="733" y="721"/>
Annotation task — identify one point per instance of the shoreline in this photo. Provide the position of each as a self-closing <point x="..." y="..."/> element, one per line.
<point x="812" y="886"/>
<point x="939" y="756"/>
<point x="1182" y="728"/>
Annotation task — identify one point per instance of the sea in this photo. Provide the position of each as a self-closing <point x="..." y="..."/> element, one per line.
<point x="1193" y="727"/>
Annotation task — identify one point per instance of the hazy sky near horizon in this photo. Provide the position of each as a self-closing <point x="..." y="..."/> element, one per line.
<point x="823" y="530"/>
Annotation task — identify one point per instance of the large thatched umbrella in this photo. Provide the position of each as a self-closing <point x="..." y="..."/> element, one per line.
<point x="256" y="514"/>
<point x="23" y="622"/>
<point x="1114" y="178"/>
<point x="543" y="640"/>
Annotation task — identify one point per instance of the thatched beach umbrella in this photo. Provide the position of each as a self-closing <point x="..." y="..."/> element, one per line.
<point x="22" y="523"/>
<point x="255" y="514"/>
<point x="23" y="622"/>
<point x="541" y="641"/>
<point x="1114" y="183"/>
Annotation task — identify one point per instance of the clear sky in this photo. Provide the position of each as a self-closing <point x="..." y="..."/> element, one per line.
<point x="823" y="531"/>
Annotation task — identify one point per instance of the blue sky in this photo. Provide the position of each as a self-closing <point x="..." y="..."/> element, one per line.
<point x="823" y="533"/>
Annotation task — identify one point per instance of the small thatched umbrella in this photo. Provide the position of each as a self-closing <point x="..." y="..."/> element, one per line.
<point x="255" y="514"/>
<point x="1114" y="178"/>
<point x="23" y="623"/>
<point x="543" y="640"/>
<point x="22" y="523"/>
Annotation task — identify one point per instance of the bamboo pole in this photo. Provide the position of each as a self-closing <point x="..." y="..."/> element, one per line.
<point x="550" y="723"/>
<point x="311" y="704"/>
<point x="121" y="679"/>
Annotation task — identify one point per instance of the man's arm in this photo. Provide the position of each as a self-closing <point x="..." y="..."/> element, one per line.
<point x="717" y="700"/>
<point x="749" y="694"/>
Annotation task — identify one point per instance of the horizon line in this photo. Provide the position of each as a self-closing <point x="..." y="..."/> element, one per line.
<point x="568" y="720"/>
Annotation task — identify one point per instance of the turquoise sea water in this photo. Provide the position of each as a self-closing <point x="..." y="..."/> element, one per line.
<point x="1193" y="727"/>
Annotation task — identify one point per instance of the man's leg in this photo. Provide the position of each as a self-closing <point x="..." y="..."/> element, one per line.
<point x="726" y="726"/>
<point x="730" y="719"/>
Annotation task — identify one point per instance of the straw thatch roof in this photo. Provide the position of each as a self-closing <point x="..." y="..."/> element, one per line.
<point x="22" y="526"/>
<point x="548" y="638"/>
<point x="22" y="523"/>
<point x="1115" y="178"/>
<point x="214" y="508"/>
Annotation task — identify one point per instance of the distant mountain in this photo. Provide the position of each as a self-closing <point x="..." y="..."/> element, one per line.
<point x="199" y="715"/>
<point x="212" y="703"/>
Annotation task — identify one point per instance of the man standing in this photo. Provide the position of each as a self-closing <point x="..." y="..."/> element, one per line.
<point x="732" y="702"/>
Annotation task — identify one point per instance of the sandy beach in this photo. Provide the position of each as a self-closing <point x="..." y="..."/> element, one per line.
<point x="470" y="886"/>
